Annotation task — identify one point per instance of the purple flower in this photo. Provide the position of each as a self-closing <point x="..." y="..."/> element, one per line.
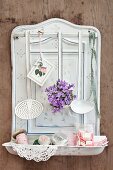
<point x="60" y="94"/>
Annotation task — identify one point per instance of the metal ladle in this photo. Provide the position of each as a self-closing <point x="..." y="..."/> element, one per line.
<point x="79" y="105"/>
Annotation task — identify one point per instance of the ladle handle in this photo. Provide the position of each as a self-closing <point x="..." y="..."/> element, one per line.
<point x="80" y="96"/>
<point x="28" y="64"/>
<point x="80" y="68"/>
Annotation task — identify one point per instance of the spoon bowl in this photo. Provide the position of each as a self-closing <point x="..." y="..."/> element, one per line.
<point x="81" y="106"/>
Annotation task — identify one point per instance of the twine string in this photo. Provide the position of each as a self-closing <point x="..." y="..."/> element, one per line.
<point x="40" y="48"/>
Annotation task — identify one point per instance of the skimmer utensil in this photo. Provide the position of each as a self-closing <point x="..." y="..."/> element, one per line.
<point x="29" y="108"/>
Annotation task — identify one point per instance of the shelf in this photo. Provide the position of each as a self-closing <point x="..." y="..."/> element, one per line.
<point x="64" y="150"/>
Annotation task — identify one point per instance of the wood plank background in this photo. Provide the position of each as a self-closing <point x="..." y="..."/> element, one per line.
<point x="98" y="13"/>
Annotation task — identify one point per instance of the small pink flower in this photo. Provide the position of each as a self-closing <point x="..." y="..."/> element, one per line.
<point x="43" y="69"/>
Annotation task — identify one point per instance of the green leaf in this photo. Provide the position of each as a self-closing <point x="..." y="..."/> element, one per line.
<point x="40" y="64"/>
<point x="36" y="142"/>
<point x="44" y="74"/>
<point x="40" y="73"/>
<point x="37" y="71"/>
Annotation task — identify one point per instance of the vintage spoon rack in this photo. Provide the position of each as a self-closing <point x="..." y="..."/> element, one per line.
<point x="67" y="47"/>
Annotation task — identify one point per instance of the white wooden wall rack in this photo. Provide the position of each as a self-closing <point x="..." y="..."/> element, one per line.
<point x="67" y="47"/>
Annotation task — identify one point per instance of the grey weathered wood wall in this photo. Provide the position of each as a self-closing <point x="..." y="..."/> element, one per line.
<point x="98" y="13"/>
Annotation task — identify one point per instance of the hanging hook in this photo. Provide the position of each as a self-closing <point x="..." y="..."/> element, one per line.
<point x="40" y="32"/>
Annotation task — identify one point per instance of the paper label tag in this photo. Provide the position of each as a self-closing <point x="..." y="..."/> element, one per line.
<point x="40" y="72"/>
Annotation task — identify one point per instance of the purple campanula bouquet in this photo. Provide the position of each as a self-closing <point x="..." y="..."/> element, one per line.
<point x="60" y="94"/>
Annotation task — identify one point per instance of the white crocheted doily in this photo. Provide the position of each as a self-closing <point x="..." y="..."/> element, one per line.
<point x="35" y="152"/>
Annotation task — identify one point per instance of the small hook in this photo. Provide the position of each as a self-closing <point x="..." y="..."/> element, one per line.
<point x="40" y="32"/>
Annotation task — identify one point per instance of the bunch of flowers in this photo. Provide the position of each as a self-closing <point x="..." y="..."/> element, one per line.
<point x="60" y="94"/>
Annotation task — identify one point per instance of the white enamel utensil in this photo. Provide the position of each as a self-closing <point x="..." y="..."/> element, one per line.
<point x="28" y="109"/>
<point x="81" y="106"/>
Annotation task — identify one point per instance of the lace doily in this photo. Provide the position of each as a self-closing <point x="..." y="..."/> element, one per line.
<point x="35" y="152"/>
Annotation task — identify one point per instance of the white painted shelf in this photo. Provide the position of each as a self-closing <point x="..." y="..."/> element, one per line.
<point x="66" y="150"/>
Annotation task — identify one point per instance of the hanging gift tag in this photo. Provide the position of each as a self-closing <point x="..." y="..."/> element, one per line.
<point x="40" y="72"/>
<point x="42" y="68"/>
